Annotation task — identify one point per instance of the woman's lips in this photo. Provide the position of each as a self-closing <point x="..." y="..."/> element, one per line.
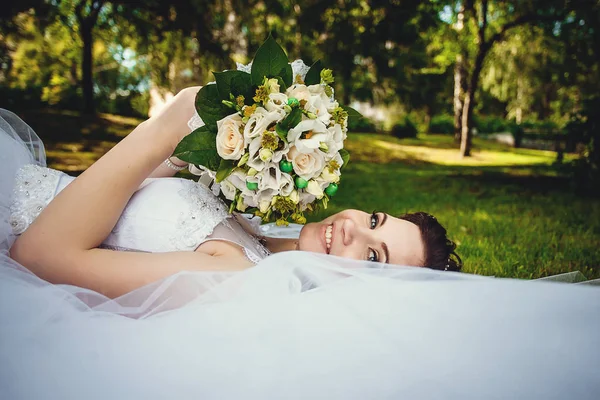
<point x="328" y="237"/>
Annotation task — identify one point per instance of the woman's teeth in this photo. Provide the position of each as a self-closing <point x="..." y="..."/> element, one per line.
<point x="328" y="235"/>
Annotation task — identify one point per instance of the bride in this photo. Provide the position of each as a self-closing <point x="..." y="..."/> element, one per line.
<point x="184" y="315"/>
<point x="182" y="223"/>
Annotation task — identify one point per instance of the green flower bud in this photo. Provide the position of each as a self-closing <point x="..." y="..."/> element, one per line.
<point x="243" y="160"/>
<point x="331" y="190"/>
<point x="301" y="183"/>
<point x="327" y="76"/>
<point x="285" y="166"/>
<point x="251" y="185"/>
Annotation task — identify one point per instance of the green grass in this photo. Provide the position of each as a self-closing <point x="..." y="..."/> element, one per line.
<point x="509" y="210"/>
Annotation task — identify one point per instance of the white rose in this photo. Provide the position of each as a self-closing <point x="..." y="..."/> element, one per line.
<point x="259" y="121"/>
<point x="298" y="91"/>
<point x="306" y="165"/>
<point x="306" y="199"/>
<point x="230" y="142"/>
<point x="276" y="102"/>
<point x="314" y="132"/>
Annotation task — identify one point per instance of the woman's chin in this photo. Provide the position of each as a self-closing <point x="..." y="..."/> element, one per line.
<point x="311" y="238"/>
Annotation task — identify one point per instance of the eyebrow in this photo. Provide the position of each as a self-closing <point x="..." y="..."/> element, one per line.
<point x="383" y="245"/>
<point x="386" y="252"/>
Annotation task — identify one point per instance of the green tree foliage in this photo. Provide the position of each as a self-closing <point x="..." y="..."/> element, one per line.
<point x="519" y="59"/>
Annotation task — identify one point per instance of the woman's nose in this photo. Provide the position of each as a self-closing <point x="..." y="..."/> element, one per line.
<point x="348" y="232"/>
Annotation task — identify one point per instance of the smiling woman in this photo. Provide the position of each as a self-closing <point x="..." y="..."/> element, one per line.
<point x="415" y="239"/>
<point x="224" y="326"/>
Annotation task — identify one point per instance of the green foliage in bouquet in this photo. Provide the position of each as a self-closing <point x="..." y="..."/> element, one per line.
<point x="238" y="94"/>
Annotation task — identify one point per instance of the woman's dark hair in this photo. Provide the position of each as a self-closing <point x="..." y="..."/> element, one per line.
<point x="439" y="250"/>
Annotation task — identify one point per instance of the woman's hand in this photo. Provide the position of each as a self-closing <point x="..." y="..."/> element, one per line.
<point x="174" y="116"/>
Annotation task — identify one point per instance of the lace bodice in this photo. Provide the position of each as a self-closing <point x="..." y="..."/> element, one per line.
<point x="164" y="214"/>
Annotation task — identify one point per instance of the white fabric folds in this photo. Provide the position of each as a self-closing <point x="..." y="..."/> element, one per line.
<point x="296" y="326"/>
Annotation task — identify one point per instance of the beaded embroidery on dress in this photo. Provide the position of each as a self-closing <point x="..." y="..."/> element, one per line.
<point x="34" y="189"/>
<point x="164" y="214"/>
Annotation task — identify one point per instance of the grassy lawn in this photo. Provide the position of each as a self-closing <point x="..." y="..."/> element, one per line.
<point x="508" y="209"/>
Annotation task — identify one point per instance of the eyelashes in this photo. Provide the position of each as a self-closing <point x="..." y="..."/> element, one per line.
<point x="374" y="221"/>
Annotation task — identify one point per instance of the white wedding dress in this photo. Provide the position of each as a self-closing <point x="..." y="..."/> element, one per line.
<point x="295" y="326"/>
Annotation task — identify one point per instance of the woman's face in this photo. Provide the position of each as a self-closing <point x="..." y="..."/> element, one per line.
<point x="362" y="236"/>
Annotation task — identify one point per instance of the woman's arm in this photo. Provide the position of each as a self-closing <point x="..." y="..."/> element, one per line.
<point x="60" y="245"/>
<point x="164" y="171"/>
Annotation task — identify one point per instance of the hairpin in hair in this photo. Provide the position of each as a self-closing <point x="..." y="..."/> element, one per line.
<point x="446" y="267"/>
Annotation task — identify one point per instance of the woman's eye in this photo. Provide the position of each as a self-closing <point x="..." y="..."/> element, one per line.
<point x="374" y="220"/>
<point x="373" y="256"/>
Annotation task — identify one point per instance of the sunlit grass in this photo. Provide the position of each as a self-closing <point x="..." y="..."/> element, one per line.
<point x="509" y="210"/>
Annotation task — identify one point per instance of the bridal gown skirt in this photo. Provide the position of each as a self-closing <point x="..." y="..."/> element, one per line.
<point x="296" y="326"/>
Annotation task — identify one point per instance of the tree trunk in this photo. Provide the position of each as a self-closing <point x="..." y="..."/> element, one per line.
<point x="459" y="79"/>
<point x="469" y="104"/>
<point x="458" y="97"/>
<point x="86" y="67"/>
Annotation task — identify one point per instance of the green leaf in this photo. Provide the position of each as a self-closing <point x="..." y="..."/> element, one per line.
<point x="269" y="61"/>
<point x="287" y="75"/>
<point x="282" y="85"/>
<point x="281" y="132"/>
<point x="199" y="148"/>
<point x="352" y="113"/>
<point x="313" y="76"/>
<point x="241" y="84"/>
<point x="345" y="157"/>
<point x="223" y="80"/>
<point x="210" y="108"/>
<point x="292" y="119"/>
<point x="225" y="169"/>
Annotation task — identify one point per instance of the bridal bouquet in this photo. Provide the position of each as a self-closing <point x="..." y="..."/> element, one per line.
<point x="274" y="142"/>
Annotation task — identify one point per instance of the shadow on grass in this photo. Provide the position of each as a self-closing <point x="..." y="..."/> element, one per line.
<point x="73" y="141"/>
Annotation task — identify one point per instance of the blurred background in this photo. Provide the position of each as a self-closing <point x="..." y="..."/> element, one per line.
<point x="484" y="113"/>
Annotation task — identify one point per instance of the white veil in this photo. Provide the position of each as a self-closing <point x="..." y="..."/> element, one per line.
<point x="297" y="325"/>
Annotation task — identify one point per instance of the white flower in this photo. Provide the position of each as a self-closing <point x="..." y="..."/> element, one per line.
<point x="259" y="121"/>
<point x="318" y="107"/>
<point x="306" y="165"/>
<point x="313" y="131"/>
<point x="335" y="140"/>
<point x="295" y="196"/>
<point x="272" y="85"/>
<point x="264" y="205"/>
<point x="315" y="189"/>
<point x="258" y="155"/>
<point x="228" y="189"/>
<point x="333" y="105"/>
<point x="230" y="142"/>
<point x="265" y="154"/>
<point x="238" y="180"/>
<point x="276" y="102"/>
<point x="298" y="91"/>
<point x="306" y="199"/>
<point x="330" y="177"/>
<point x="271" y="178"/>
